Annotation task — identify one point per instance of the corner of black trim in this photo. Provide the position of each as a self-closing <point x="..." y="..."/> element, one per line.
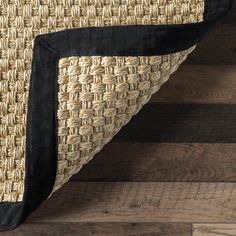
<point x="215" y="9"/>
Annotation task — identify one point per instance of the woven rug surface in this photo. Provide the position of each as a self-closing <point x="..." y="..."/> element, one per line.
<point x="20" y="23"/>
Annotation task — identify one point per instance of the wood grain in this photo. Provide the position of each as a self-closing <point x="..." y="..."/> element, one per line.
<point x="192" y="123"/>
<point x="140" y="202"/>
<point x="165" y="162"/>
<point x="199" y="84"/>
<point x="214" y="229"/>
<point x="102" y="229"/>
<point x="218" y="47"/>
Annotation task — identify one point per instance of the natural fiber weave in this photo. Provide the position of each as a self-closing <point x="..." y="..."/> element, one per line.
<point x="20" y="22"/>
<point x="98" y="96"/>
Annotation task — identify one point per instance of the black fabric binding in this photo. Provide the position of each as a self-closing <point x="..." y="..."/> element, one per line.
<point x="41" y="145"/>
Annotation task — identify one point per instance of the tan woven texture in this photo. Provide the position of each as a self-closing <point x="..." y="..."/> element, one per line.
<point x="98" y="96"/>
<point x="20" y="22"/>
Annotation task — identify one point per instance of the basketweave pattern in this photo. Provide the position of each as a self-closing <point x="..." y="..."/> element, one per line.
<point x="21" y="21"/>
<point x="98" y="96"/>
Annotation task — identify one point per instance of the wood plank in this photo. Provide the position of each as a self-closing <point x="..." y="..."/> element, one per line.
<point x="218" y="47"/>
<point x="192" y="123"/>
<point x="140" y="202"/>
<point x="214" y="229"/>
<point x="163" y="162"/>
<point x="102" y="229"/>
<point x="200" y="84"/>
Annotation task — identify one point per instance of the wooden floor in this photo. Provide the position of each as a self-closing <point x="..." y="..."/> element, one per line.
<point x="172" y="170"/>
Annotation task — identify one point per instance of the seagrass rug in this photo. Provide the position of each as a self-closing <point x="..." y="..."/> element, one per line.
<point x="72" y="74"/>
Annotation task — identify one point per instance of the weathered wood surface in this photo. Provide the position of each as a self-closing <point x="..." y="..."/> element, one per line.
<point x="163" y="162"/>
<point x="199" y="84"/>
<point x="140" y="202"/>
<point x="193" y="123"/>
<point x="102" y="229"/>
<point x="214" y="229"/>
